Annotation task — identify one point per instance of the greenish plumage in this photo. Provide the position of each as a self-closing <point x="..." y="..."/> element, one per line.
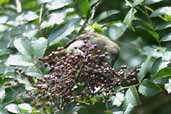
<point x="102" y="42"/>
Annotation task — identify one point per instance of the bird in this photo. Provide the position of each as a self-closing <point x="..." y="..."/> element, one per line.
<point x="102" y="42"/>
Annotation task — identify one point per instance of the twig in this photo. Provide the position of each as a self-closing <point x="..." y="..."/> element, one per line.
<point x="91" y="15"/>
<point x="83" y="102"/>
<point x="94" y="6"/>
<point x="151" y="10"/>
<point x="18" y="6"/>
<point x="84" y="25"/>
<point x="42" y="9"/>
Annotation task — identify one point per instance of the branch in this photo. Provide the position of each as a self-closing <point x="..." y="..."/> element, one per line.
<point x="18" y="6"/>
<point x="91" y="15"/>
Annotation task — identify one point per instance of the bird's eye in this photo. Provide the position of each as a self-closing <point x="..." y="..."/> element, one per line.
<point x="75" y="47"/>
<point x="85" y="37"/>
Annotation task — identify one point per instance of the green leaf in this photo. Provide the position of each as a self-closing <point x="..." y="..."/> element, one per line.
<point x="3" y="19"/>
<point x="149" y="28"/>
<point x="2" y="68"/>
<point x="26" y="83"/>
<point x="56" y="18"/>
<point x="97" y="28"/>
<point x="39" y="47"/>
<point x="132" y="96"/>
<point x="154" y="34"/>
<point x="116" y="30"/>
<point x="13" y="108"/>
<point x="166" y="38"/>
<point x="44" y="1"/>
<point x="133" y="3"/>
<point x="163" y="26"/>
<point x="155" y="52"/>
<point x="161" y="11"/>
<point x="156" y="65"/>
<point x="24" y="47"/>
<point x="166" y="57"/>
<point x="148" y="88"/>
<point x="29" y="16"/>
<point x="61" y="32"/>
<point x="152" y="1"/>
<point x="163" y="73"/>
<point x="167" y="17"/>
<point x="4" y="79"/>
<point x="167" y="86"/>
<point x="130" y="16"/>
<point x="2" y="111"/>
<point x="3" y="2"/>
<point x="137" y="2"/>
<point x="144" y="68"/>
<point x="83" y="7"/>
<point x="129" y="109"/>
<point x="2" y="93"/>
<point x="56" y="4"/>
<point x="118" y="99"/>
<point x="18" y="60"/>
<point x="24" y="107"/>
<point x="3" y="28"/>
<point x="5" y="51"/>
<point x="105" y="15"/>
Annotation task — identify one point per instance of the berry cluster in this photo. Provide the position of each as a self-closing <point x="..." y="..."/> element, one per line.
<point x="73" y="76"/>
<point x="87" y="71"/>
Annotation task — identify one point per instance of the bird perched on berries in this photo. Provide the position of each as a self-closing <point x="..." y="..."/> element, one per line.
<point x="103" y="43"/>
